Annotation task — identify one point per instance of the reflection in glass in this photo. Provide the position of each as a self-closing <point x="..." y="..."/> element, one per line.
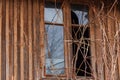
<point x="54" y="49"/>
<point x="82" y="13"/>
<point x="82" y="17"/>
<point x="53" y="15"/>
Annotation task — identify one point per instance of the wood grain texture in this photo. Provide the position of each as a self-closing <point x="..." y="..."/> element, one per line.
<point x="30" y="39"/>
<point x="7" y="40"/>
<point x="0" y="34"/>
<point x="22" y="40"/>
<point x="15" y="41"/>
<point x="42" y="56"/>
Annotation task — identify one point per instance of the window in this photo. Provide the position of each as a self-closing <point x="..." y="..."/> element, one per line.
<point x="55" y="59"/>
<point x="54" y="39"/>
<point x="81" y="40"/>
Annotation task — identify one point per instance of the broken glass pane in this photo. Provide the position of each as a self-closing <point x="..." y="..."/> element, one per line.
<point x="54" y="49"/>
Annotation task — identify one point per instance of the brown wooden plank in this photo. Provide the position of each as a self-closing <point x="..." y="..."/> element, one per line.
<point x="118" y="40"/>
<point x="38" y="37"/>
<point x="98" y="49"/>
<point x="42" y="56"/>
<point x="34" y="40"/>
<point x="22" y="40"/>
<point x="0" y="34"/>
<point x="67" y="34"/>
<point x="11" y="36"/>
<point x="15" y="40"/>
<point x="7" y="40"/>
<point x="92" y="42"/>
<point x="35" y="25"/>
<point x="18" y="39"/>
<point x="109" y="44"/>
<point x="3" y="48"/>
<point x="30" y="39"/>
<point x="51" y="23"/>
<point x="26" y="41"/>
<point x="117" y="45"/>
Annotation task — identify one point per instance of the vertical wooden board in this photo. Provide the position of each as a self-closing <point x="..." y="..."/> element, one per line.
<point x="32" y="42"/>
<point x="98" y="48"/>
<point x="30" y="38"/>
<point x="26" y="41"/>
<point x="109" y="44"/>
<point x="18" y="40"/>
<point x="11" y="36"/>
<point x="35" y="37"/>
<point x="117" y="27"/>
<point x="118" y="40"/>
<point x="15" y="40"/>
<point x="92" y="42"/>
<point x="67" y="24"/>
<point x="38" y="38"/>
<point x="118" y="48"/>
<point x="7" y="40"/>
<point x="0" y="34"/>
<point x="22" y="40"/>
<point x="3" y="48"/>
<point x="42" y="51"/>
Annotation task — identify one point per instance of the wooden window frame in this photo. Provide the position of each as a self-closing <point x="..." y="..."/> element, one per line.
<point x="43" y="70"/>
<point x="66" y="24"/>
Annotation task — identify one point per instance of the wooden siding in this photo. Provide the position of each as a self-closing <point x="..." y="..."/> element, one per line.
<point x="19" y="40"/>
<point x="22" y="41"/>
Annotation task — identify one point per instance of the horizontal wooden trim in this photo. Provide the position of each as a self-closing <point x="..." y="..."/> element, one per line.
<point x="51" y="23"/>
<point x="84" y="78"/>
<point x="78" y="25"/>
<point x="75" y="25"/>
<point x="52" y="75"/>
<point x="72" y="1"/>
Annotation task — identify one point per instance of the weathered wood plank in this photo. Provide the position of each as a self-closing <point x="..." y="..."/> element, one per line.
<point x="0" y="34"/>
<point x="110" y="46"/>
<point x="42" y="56"/>
<point x="117" y="27"/>
<point x="18" y="38"/>
<point x="35" y="46"/>
<point x="26" y="41"/>
<point x="15" y="40"/>
<point x="11" y="36"/>
<point x="22" y="39"/>
<point x="98" y="48"/>
<point x="3" y="48"/>
<point x="7" y="40"/>
<point x="38" y="38"/>
<point x="67" y="24"/>
<point x="92" y="42"/>
<point x="30" y="39"/>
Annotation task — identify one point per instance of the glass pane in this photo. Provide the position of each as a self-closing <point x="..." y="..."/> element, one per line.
<point x="53" y="13"/>
<point x="81" y="13"/>
<point x="54" y="49"/>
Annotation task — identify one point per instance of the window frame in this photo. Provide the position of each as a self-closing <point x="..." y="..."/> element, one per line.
<point x="58" y="24"/>
<point x="66" y="8"/>
<point x="92" y="39"/>
<point x="81" y="26"/>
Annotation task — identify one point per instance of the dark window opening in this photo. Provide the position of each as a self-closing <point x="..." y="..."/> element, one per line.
<point x="81" y="47"/>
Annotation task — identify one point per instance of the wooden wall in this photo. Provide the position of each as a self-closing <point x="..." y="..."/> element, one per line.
<point x="20" y="39"/>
